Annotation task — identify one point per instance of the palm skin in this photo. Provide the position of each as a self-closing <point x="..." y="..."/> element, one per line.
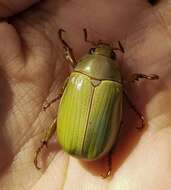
<point x="32" y="70"/>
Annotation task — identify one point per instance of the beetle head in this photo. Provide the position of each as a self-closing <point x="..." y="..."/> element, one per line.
<point x="103" y="49"/>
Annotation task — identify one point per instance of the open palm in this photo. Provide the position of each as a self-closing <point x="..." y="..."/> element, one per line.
<point x="32" y="69"/>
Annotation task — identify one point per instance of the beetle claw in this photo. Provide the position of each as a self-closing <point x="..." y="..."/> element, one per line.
<point x="45" y="107"/>
<point x="43" y="143"/>
<point x="153" y="77"/>
<point x="142" y="122"/>
<point x="36" y="163"/>
<point x="36" y="159"/>
<point x="108" y="174"/>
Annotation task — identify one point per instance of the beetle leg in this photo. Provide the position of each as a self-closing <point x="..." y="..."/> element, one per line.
<point x="109" y="156"/>
<point x="86" y="38"/>
<point x="68" y="52"/>
<point x="138" y="76"/>
<point x="50" y="131"/>
<point x="109" y="164"/>
<point x="48" y="104"/>
<point x="69" y="56"/>
<point x="121" y="48"/>
<point x="141" y="117"/>
<point x="58" y="96"/>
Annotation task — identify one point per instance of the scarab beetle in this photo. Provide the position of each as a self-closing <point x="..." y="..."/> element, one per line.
<point x="90" y="109"/>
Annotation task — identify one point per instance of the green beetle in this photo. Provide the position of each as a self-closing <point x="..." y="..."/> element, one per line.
<point x="90" y="109"/>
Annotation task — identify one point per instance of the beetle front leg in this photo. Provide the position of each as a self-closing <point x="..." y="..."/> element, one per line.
<point x="50" y="131"/>
<point x="141" y="117"/>
<point x="138" y="76"/>
<point x="68" y="52"/>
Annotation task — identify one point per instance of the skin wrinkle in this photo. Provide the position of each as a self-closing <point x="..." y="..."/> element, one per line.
<point x="25" y="135"/>
<point x="163" y="23"/>
<point x="41" y="31"/>
<point x="32" y="51"/>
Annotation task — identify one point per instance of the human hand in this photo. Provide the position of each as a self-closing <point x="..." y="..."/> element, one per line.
<point x="32" y="69"/>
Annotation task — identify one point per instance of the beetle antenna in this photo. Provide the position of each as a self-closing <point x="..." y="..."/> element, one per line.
<point x="86" y="38"/>
<point x="60" y="31"/>
<point x="120" y="47"/>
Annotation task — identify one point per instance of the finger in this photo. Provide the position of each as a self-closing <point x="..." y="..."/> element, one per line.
<point x="104" y="19"/>
<point x="10" y="46"/>
<point x="9" y="8"/>
<point x="148" y="51"/>
<point x="149" y="40"/>
<point x="37" y="36"/>
<point x="113" y="22"/>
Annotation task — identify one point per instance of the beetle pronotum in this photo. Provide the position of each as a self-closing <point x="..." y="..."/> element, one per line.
<point x="90" y="109"/>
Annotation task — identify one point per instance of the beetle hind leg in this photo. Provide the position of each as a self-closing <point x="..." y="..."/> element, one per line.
<point x="43" y="143"/>
<point x="50" y="131"/>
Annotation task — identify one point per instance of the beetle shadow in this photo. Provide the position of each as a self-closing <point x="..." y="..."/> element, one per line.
<point x="129" y="135"/>
<point x="6" y="155"/>
<point x="126" y="141"/>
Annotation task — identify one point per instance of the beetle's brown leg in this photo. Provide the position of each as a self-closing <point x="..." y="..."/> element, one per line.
<point x="109" y="164"/>
<point x="86" y="38"/>
<point x="68" y="52"/>
<point x="49" y="103"/>
<point x="109" y="156"/>
<point x="50" y="131"/>
<point x="141" y="117"/>
<point x="138" y="76"/>
<point x="58" y="96"/>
